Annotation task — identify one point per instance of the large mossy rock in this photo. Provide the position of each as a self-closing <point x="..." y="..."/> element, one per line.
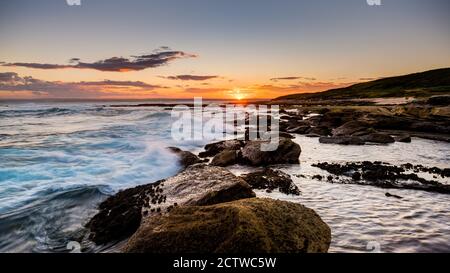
<point x="121" y="215"/>
<point x="253" y="225"/>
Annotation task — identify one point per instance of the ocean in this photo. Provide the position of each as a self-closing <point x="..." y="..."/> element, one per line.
<point x="59" y="160"/>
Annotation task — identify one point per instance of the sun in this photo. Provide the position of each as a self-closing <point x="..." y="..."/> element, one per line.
<point x="237" y="94"/>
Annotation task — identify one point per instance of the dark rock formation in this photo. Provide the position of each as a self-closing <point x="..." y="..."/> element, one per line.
<point x="393" y="196"/>
<point x="215" y="148"/>
<point x="342" y="140"/>
<point x="286" y="135"/>
<point x="270" y="180"/>
<point x="288" y="152"/>
<point x="226" y="158"/>
<point x="254" y="226"/>
<point x="120" y="215"/>
<point x="384" y="175"/>
<point x="403" y="138"/>
<point x="350" y="128"/>
<point x="439" y="100"/>
<point x="186" y="158"/>
<point x="320" y="130"/>
<point x="299" y="130"/>
<point x="378" y="138"/>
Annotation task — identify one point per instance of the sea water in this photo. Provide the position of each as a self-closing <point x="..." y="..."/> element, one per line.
<point x="58" y="161"/>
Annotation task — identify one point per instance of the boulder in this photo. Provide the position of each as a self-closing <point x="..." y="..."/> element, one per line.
<point x="295" y="124"/>
<point x="300" y="130"/>
<point x="439" y="100"/>
<point x="430" y="127"/>
<point x="226" y="158"/>
<point x="403" y="138"/>
<point x="286" y="135"/>
<point x="121" y="215"/>
<point x="292" y="117"/>
<point x="334" y="119"/>
<point x="378" y="138"/>
<point x="313" y="135"/>
<point x="288" y="152"/>
<point x="270" y="180"/>
<point x="252" y="226"/>
<point x="351" y="128"/>
<point x="186" y="158"/>
<point x="215" y="148"/>
<point x="342" y="140"/>
<point x="320" y="130"/>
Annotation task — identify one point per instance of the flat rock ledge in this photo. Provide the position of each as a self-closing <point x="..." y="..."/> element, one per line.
<point x="269" y="180"/>
<point x="244" y="226"/>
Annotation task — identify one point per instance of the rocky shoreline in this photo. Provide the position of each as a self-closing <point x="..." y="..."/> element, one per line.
<point x="206" y="208"/>
<point x="384" y="175"/>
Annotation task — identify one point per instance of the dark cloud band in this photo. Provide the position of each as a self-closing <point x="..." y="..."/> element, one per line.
<point x="292" y="78"/>
<point x="115" y="64"/>
<point x="11" y="81"/>
<point x="191" y="77"/>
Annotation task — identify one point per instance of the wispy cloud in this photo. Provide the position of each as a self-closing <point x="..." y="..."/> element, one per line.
<point x="191" y="77"/>
<point x="196" y="90"/>
<point x="368" y="79"/>
<point x="292" y="78"/>
<point x="158" y="58"/>
<point x="12" y="82"/>
<point x="301" y="87"/>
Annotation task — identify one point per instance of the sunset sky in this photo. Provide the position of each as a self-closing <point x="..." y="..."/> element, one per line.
<point x="213" y="48"/>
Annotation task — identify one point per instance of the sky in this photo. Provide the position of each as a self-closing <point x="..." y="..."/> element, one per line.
<point x="225" y="49"/>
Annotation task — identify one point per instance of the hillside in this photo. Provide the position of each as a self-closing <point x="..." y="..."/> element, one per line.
<point x="424" y="84"/>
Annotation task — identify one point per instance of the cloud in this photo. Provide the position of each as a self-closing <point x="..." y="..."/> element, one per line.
<point x="38" y="65"/>
<point x="122" y="83"/>
<point x="191" y="77"/>
<point x="368" y="79"/>
<point x="302" y="87"/>
<point x="292" y="78"/>
<point x="12" y="82"/>
<point x="115" y="64"/>
<point x="203" y="90"/>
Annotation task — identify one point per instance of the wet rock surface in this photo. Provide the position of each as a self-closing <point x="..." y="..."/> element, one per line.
<point x="342" y="140"/>
<point x="226" y="158"/>
<point x="270" y="180"/>
<point x="378" y="138"/>
<point x="186" y="158"/>
<point x="384" y="175"/>
<point x="215" y="148"/>
<point x="287" y="152"/>
<point x="374" y="124"/>
<point x="245" y="226"/>
<point x="253" y="152"/>
<point x="439" y="100"/>
<point x="120" y="215"/>
<point x="405" y="138"/>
